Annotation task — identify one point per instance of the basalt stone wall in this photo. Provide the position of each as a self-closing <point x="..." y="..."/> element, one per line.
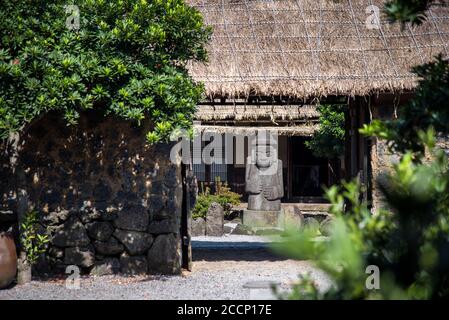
<point x="382" y="160"/>
<point x="110" y="203"/>
<point x="8" y="196"/>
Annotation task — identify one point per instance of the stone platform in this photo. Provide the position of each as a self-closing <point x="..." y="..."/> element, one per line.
<point x="256" y="219"/>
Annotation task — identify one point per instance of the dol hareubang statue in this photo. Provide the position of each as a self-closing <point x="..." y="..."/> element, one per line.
<point x="264" y="179"/>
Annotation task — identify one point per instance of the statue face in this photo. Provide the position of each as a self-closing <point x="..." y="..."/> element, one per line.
<point x="265" y="156"/>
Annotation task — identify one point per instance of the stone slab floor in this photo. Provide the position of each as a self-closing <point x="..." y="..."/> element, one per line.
<point x="230" y="267"/>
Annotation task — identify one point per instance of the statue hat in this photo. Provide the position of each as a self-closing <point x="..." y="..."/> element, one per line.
<point x="264" y="139"/>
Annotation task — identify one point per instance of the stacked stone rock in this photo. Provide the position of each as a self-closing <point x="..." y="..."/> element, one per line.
<point x="106" y="242"/>
<point x="110" y="203"/>
<point x="212" y="225"/>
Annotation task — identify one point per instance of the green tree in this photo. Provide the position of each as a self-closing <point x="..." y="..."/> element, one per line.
<point x="328" y="141"/>
<point x="127" y="58"/>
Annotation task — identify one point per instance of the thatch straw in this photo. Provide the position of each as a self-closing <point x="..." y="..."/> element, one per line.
<point x="304" y="48"/>
<point x="256" y="112"/>
<point x="296" y="130"/>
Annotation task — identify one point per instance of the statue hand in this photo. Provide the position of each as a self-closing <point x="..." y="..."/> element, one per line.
<point x="268" y="193"/>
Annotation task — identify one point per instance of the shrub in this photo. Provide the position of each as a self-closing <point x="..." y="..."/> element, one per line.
<point x="127" y="58"/>
<point x="203" y="201"/>
<point x="33" y="243"/>
<point x="409" y="245"/>
<point x="223" y="196"/>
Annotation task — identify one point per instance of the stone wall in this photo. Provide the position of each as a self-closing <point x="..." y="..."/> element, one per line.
<point x="382" y="160"/>
<point x="109" y="202"/>
<point x="8" y="195"/>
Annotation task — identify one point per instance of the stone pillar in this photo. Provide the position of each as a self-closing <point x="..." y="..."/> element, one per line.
<point x="215" y="220"/>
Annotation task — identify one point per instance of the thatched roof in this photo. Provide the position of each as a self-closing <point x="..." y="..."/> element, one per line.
<point x="305" y="130"/>
<point x="305" y="48"/>
<point x="256" y="112"/>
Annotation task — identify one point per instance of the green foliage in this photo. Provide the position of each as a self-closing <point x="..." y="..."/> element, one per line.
<point x="356" y="238"/>
<point x="407" y="10"/>
<point x="412" y="11"/>
<point x="329" y="140"/>
<point x="225" y="197"/>
<point x="203" y="201"/>
<point x="222" y="195"/>
<point x="33" y="243"/>
<point x="128" y="58"/>
<point x="429" y="108"/>
<point x="410" y="245"/>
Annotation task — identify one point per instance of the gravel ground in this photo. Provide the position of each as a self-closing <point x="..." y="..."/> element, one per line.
<point x="221" y="271"/>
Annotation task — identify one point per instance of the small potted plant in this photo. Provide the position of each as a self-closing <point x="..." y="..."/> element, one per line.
<point x="32" y="246"/>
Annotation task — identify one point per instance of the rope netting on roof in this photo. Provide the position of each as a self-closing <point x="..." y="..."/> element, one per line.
<point x="257" y="112"/>
<point x="313" y="47"/>
<point x="305" y="130"/>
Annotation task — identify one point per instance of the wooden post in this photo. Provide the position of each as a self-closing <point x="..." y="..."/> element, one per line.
<point x="289" y="169"/>
<point x="190" y="189"/>
<point x="351" y="142"/>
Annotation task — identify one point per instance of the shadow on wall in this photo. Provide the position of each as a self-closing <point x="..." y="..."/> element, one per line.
<point x="110" y="202"/>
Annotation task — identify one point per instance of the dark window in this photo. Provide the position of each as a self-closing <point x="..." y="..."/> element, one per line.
<point x="309" y="173"/>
